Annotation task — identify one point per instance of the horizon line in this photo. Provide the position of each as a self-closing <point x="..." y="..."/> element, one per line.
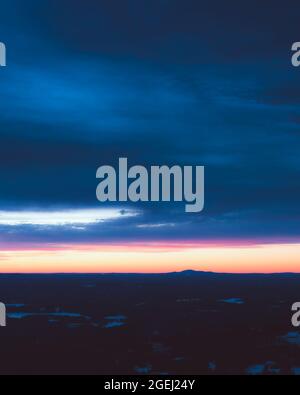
<point x="156" y="259"/>
<point x="191" y="271"/>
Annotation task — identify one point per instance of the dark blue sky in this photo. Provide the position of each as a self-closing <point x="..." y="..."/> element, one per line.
<point x="160" y="82"/>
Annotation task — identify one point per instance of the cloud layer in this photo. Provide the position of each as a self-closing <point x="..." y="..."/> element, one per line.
<point x="164" y="82"/>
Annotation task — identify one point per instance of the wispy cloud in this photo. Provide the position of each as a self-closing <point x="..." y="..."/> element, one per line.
<point x="63" y="217"/>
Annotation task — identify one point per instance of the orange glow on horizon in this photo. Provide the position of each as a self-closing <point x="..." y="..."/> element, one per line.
<point x="152" y="258"/>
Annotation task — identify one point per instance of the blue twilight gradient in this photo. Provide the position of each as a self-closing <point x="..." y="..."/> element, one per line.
<point x="159" y="82"/>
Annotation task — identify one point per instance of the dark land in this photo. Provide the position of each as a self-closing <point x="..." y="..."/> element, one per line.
<point x="180" y="323"/>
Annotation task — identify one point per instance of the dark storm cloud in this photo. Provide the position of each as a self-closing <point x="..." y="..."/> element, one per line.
<point x="175" y="30"/>
<point x="159" y="82"/>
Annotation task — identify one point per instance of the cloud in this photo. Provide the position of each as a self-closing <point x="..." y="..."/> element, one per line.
<point x="160" y="82"/>
<point x="63" y="218"/>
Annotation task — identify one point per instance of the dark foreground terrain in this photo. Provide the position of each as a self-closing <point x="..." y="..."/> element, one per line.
<point x="186" y="323"/>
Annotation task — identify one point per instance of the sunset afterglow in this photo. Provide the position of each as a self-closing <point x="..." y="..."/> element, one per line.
<point x="151" y="258"/>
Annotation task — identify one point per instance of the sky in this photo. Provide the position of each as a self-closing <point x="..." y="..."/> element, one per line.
<point x="161" y="83"/>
